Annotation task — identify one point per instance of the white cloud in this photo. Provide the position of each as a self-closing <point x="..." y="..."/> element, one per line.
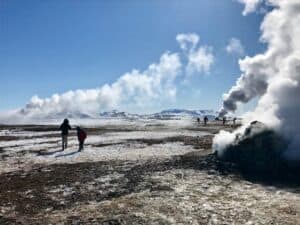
<point x="250" y="5"/>
<point x="187" y="41"/>
<point x="200" y="59"/>
<point x="235" y="47"/>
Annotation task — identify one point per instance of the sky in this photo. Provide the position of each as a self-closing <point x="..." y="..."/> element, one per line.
<point x="118" y="50"/>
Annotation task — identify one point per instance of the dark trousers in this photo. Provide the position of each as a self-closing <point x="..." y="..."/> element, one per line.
<point x="64" y="141"/>
<point x="81" y="145"/>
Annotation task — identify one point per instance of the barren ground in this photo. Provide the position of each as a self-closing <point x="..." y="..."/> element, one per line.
<point x="145" y="173"/>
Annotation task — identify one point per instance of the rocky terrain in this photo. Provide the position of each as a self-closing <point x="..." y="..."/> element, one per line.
<point x="133" y="173"/>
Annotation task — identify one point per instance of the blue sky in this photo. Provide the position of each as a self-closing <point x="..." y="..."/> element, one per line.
<point x="49" y="47"/>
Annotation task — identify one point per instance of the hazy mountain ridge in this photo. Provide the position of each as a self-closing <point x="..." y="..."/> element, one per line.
<point x="165" y="114"/>
<point x="23" y="117"/>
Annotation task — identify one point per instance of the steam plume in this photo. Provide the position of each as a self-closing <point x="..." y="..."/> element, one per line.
<point x="273" y="76"/>
<point x="137" y="89"/>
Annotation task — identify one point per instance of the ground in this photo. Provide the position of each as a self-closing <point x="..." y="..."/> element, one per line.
<point x="146" y="172"/>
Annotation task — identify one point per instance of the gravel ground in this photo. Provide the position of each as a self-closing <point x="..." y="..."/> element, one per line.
<point x="188" y="185"/>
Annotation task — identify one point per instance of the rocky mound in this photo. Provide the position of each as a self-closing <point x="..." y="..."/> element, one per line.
<point x="259" y="150"/>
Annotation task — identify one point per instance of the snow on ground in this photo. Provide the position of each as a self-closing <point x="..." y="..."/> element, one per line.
<point x="28" y="148"/>
<point x="135" y="151"/>
<point x="137" y="122"/>
<point x="127" y="175"/>
<point x="21" y="133"/>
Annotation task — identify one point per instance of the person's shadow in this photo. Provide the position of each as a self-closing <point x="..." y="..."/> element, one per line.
<point x="67" y="154"/>
<point x="44" y="153"/>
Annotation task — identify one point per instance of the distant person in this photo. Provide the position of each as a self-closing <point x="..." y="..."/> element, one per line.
<point x="198" y="120"/>
<point x="65" y="127"/>
<point x="234" y="120"/>
<point x="224" y="120"/>
<point x="81" y="135"/>
<point x="205" y="120"/>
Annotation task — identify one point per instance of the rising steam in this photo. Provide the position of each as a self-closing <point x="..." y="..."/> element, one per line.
<point x="273" y="76"/>
<point x="133" y="90"/>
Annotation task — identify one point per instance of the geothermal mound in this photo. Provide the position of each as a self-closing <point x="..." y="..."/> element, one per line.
<point x="258" y="150"/>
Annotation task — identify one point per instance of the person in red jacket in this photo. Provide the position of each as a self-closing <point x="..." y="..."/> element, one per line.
<point x="81" y="134"/>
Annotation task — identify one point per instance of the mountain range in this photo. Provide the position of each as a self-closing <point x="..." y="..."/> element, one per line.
<point x="165" y="114"/>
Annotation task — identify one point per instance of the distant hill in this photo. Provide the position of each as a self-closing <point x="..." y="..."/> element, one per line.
<point x="118" y="114"/>
<point x="23" y="116"/>
<point x="165" y="114"/>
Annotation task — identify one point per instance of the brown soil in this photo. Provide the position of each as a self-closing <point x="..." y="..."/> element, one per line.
<point x="195" y="188"/>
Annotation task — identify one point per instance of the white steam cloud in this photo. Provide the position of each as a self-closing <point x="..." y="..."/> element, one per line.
<point x="250" y="5"/>
<point x="200" y="59"/>
<point x="155" y="83"/>
<point x="235" y="47"/>
<point x="188" y="41"/>
<point x="136" y="89"/>
<point x="273" y="76"/>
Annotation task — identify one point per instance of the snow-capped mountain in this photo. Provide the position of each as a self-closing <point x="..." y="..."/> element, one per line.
<point x="23" y="117"/>
<point x="186" y="112"/>
<point x="165" y="114"/>
<point x="117" y="114"/>
<point x="182" y="113"/>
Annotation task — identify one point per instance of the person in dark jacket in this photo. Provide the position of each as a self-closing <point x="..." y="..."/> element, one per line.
<point x="224" y="120"/>
<point x="65" y="127"/>
<point x="234" y="121"/>
<point x="81" y="135"/>
<point x="205" y="120"/>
